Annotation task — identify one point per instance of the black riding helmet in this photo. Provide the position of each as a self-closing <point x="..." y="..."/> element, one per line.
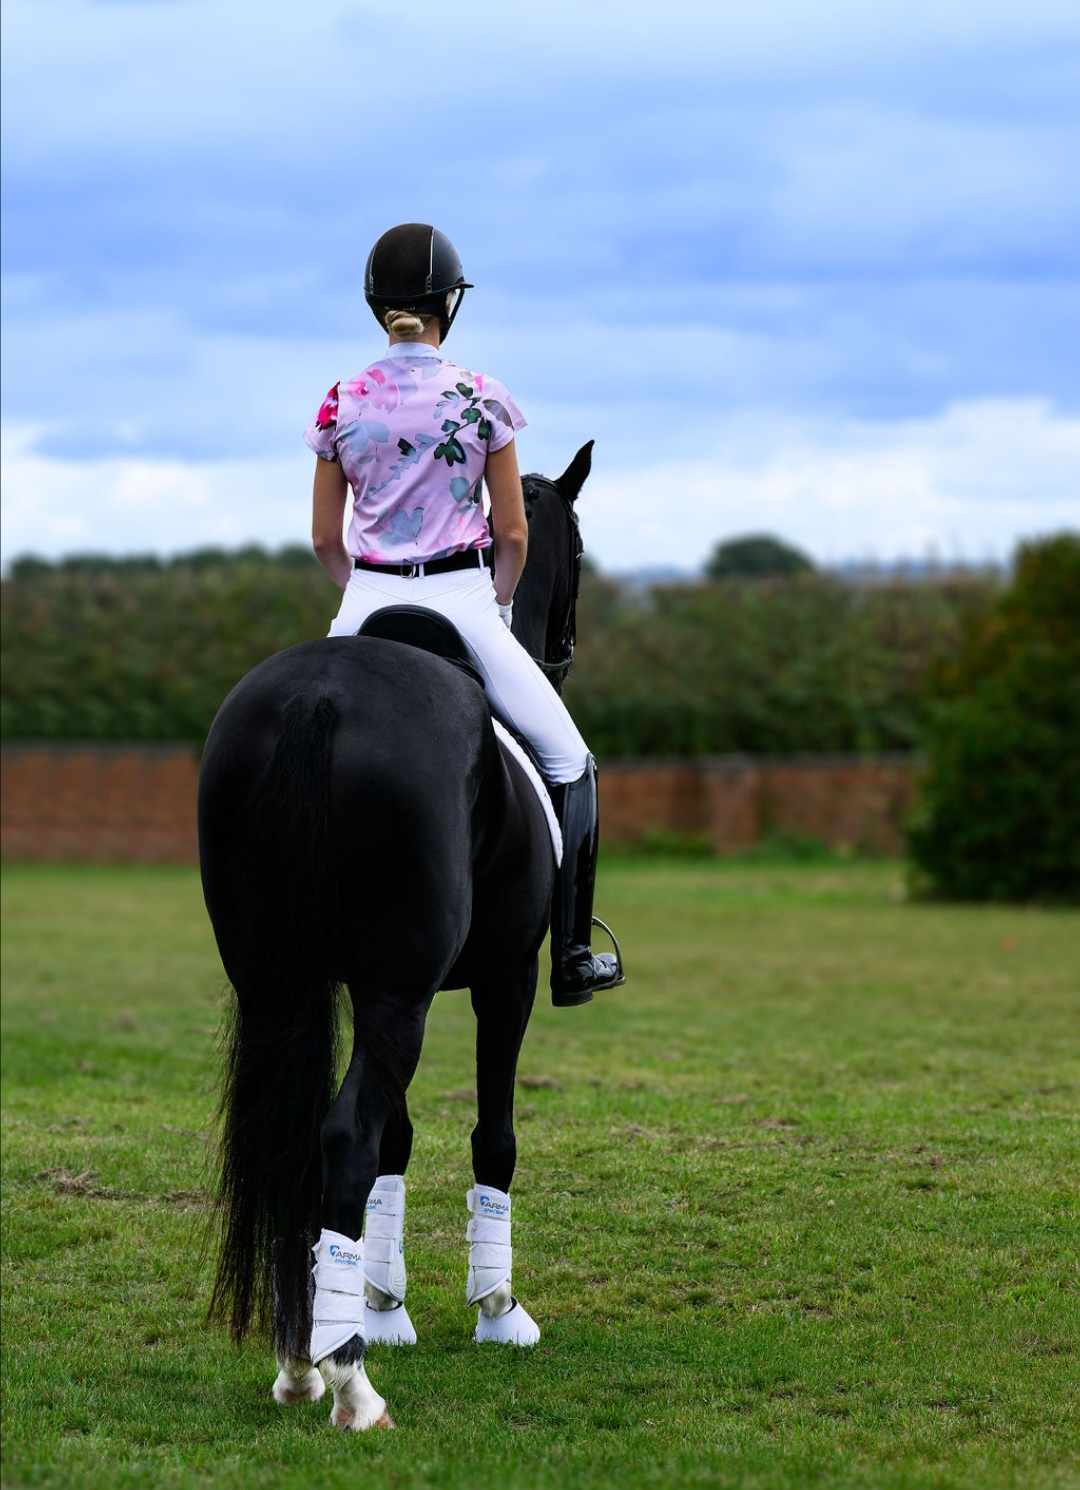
<point x="414" y="267"/>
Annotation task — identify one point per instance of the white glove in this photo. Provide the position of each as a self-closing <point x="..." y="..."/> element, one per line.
<point x="506" y="612"/>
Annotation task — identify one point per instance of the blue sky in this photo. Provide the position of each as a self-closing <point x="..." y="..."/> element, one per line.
<point x="800" y="268"/>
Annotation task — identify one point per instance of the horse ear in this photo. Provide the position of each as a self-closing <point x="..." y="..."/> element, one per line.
<point x="573" y="478"/>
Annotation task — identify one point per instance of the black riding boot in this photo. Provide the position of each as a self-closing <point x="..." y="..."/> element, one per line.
<point x="576" y="973"/>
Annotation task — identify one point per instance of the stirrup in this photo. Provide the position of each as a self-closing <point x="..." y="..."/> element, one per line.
<point x="569" y="995"/>
<point x="618" y="951"/>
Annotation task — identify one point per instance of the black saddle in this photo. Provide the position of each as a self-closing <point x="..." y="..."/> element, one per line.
<point x="416" y="626"/>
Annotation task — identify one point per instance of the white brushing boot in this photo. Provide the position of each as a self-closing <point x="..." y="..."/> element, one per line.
<point x="501" y="1318"/>
<point x="337" y="1314"/>
<point x="386" y="1319"/>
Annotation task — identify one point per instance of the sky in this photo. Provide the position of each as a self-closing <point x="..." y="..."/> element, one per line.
<point x="800" y="269"/>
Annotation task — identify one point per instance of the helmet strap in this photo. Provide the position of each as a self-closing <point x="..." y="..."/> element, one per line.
<point x="446" y="318"/>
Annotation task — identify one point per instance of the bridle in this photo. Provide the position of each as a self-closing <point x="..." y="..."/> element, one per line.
<point x="556" y="671"/>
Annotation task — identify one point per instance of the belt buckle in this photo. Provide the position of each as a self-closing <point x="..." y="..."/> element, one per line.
<point x="412" y="571"/>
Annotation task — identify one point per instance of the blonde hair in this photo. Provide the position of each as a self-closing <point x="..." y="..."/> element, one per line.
<point x="408" y="323"/>
<point x="405" y="322"/>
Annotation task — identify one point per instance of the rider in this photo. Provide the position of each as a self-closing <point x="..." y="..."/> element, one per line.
<point x="416" y="436"/>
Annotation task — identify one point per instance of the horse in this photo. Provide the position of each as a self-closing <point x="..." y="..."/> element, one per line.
<point x="363" y="829"/>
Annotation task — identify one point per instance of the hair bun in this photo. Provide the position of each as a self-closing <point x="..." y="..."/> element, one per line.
<point x="403" y="323"/>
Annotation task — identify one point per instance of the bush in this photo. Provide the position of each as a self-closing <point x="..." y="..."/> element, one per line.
<point x="100" y="649"/>
<point x="1000" y="800"/>
<point x="757" y="556"/>
<point x="767" y="666"/>
<point x="123" y="651"/>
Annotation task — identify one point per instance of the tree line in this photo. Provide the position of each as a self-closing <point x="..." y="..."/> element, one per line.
<point x="143" y="648"/>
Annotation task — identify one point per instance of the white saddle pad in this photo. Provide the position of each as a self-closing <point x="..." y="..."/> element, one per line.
<point x="506" y="738"/>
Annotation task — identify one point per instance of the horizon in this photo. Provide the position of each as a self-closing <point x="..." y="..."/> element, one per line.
<point x="931" y="564"/>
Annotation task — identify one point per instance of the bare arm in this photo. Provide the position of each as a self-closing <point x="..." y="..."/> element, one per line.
<point x="507" y="519"/>
<point x="327" y="516"/>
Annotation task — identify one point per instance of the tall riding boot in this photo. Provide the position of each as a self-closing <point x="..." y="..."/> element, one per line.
<point x="576" y="973"/>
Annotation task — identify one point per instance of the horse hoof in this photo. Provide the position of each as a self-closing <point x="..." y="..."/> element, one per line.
<point x="289" y="1390"/>
<point x="515" y="1327"/>
<point x="351" y="1420"/>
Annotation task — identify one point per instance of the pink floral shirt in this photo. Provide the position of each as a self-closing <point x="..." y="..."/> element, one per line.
<point x="412" y="433"/>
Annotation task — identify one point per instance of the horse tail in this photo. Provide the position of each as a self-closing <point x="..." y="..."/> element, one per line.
<point x="282" y="1039"/>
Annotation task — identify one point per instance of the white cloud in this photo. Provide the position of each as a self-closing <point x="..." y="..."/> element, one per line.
<point x="121" y="505"/>
<point x="966" y="483"/>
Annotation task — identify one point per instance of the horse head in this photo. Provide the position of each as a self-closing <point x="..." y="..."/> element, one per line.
<point x="545" y="603"/>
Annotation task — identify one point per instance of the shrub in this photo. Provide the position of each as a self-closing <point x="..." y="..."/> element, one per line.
<point x="110" y="649"/>
<point x="117" y="651"/>
<point x="756" y="556"/>
<point x="766" y="666"/>
<point x="1000" y="799"/>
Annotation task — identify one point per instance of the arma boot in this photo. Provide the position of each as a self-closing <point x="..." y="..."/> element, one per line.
<point x="576" y="972"/>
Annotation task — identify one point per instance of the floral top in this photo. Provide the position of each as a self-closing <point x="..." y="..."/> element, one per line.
<point x="412" y="433"/>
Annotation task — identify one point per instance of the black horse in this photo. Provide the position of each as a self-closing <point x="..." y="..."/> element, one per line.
<point x="362" y="827"/>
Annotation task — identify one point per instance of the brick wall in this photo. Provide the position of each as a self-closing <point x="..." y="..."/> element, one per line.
<point x="845" y="801"/>
<point x="103" y="803"/>
<point x="116" y="803"/>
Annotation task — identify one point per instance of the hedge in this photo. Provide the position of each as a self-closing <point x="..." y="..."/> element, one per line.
<point x="1000" y="803"/>
<point x="763" y="667"/>
<point x="106" y="650"/>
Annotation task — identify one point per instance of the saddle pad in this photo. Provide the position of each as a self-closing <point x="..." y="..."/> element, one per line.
<point x="505" y="738"/>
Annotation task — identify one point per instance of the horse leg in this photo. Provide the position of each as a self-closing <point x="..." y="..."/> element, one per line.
<point x="386" y="1048"/>
<point x="387" y="1320"/>
<point x="297" y="1381"/>
<point x="395" y="1150"/>
<point x="502" y="1014"/>
<point x="350" y="1144"/>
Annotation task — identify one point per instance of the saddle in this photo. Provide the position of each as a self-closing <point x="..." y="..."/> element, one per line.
<point x="416" y="626"/>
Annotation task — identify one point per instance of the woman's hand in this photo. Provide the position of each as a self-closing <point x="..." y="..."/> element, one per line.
<point x="506" y="613"/>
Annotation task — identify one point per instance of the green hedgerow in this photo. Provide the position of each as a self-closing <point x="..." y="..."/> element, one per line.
<point x="1000" y="800"/>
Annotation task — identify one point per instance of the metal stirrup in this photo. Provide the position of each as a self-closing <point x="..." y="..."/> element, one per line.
<point x="596" y="921"/>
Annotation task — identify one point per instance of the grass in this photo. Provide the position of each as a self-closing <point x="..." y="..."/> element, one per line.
<point x="796" y="1207"/>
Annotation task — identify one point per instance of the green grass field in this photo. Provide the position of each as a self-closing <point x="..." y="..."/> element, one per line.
<point x="796" y="1207"/>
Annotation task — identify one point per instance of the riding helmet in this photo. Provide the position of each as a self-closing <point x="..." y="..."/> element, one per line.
<point x="414" y="267"/>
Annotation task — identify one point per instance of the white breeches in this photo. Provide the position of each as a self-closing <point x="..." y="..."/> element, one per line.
<point x="517" y="690"/>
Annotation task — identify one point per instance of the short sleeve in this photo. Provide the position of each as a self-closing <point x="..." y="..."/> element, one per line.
<point x="504" y="416"/>
<point x="322" y="431"/>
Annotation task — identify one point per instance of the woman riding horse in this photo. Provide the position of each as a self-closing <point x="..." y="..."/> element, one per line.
<point x="417" y="436"/>
<point x="362" y="825"/>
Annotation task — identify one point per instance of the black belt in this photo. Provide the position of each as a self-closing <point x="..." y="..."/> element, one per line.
<point x="469" y="558"/>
